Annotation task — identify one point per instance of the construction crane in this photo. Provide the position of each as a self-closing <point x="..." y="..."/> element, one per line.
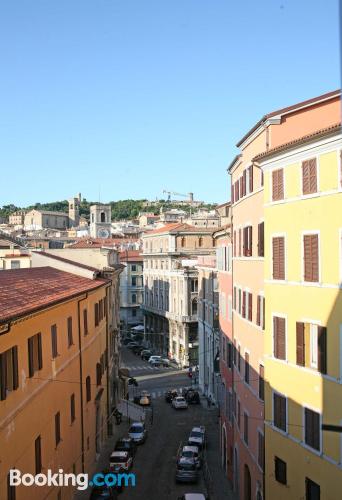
<point x="189" y="195"/>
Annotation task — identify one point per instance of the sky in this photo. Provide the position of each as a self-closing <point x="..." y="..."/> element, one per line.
<point x="122" y="99"/>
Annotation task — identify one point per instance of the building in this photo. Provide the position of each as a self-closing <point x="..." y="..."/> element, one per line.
<point x="204" y="218"/>
<point x="172" y="215"/>
<point x="54" y="350"/>
<point x="100" y="221"/>
<point x="303" y="335"/>
<point x="131" y="289"/>
<point x="147" y="219"/>
<point x="13" y="256"/>
<point x="208" y="327"/>
<point x="171" y="288"/>
<point x="249" y="314"/>
<point x="17" y="218"/>
<point x="39" y="219"/>
<point x="74" y="211"/>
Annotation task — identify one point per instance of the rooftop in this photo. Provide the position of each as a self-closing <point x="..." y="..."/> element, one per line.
<point x="67" y="261"/>
<point x="24" y="291"/>
<point x="101" y="242"/>
<point x="131" y="256"/>
<point x="178" y="227"/>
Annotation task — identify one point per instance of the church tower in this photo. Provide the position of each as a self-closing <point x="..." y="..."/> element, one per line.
<point x="100" y="221"/>
<point x="74" y="211"/>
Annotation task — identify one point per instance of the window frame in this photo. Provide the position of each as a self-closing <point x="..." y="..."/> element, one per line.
<point x="311" y="232"/>
<point x="279" y="429"/>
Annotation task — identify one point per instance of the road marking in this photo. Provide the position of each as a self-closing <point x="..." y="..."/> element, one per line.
<point x="159" y="375"/>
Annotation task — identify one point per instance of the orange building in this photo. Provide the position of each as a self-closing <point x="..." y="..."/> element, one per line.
<point x="53" y="365"/>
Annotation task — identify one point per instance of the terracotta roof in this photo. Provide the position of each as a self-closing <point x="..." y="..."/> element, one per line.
<point x="99" y="242"/>
<point x="301" y="140"/>
<point x="178" y="227"/>
<point x="131" y="256"/>
<point x="282" y="111"/>
<point x="14" y="256"/>
<point x="67" y="261"/>
<point x="23" y="291"/>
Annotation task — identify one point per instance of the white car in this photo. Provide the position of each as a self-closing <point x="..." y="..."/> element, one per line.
<point x="197" y="437"/>
<point x="154" y="358"/>
<point x="192" y="452"/>
<point x="120" y="460"/>
<point x="179" y="403"/>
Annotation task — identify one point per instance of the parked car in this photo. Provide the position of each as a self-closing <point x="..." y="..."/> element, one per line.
<point x="126" y="444"/>
<point x="165" y="362"/>
<point x="179" y="403"/>
<point x="120" y="461"/>
<point x="146" y="354"/>
<point x="103" y="492"/>
<point x="186" y="471"/>
<point x="170" y="395"/>
<point x="156" y="363"/>
<point x="192" y="397"/>
<point x="138" y="432"/>
<point x="144" y="401"/>
<point x="197" y="436"/>
<point x="132" y="345"/>
<point x="152" y="358"/>
<point x="192" y="452"/>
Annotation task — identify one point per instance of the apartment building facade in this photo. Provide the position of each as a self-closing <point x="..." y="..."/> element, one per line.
<point x="171" y="288"/>
<point x="131" y="289"/>
<point x="303" y="336"/>
<point x="53" y="362"/>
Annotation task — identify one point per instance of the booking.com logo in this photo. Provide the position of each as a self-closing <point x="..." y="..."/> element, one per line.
<point x="81" y="481"/>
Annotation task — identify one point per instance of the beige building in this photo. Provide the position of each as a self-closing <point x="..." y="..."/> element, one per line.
<point x="146" y="219"/>
<point x="171" y="288"/>
<point x="12" y="256"/>
<point x="38" y="219"/>
<point x="17" y="218"/>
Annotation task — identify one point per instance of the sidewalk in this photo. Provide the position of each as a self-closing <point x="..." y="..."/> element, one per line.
<point x="103" y="462"/>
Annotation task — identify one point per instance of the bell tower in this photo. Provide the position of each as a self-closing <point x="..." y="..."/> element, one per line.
<point x="74" y="211"/>
<point x="100" y="221"/>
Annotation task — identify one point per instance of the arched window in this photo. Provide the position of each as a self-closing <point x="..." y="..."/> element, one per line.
<point x="183" y="242"/>
<point x="103" y="217"/>
<point x="88" y="389"/>
<point x="200" y="241"/>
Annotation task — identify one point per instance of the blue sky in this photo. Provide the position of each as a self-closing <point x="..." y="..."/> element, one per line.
<point x="129" y="97"/>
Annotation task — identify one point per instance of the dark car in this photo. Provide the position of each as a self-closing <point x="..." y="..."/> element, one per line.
<point x="103" y="492"/>
<point x="137" y="349"/>
<point x="187" y="471"/>
<point x="132" y="345"/>
<point x="193" y="397"/>
<point x="126" y="444"/>
<point x="146" y="354"/>
<point x="170" y="395"/>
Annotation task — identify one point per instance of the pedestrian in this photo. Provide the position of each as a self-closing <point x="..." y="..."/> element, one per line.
<point x="209" y="401"/>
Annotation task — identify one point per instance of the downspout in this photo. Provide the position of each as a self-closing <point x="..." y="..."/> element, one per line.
<point x="81" y="384"/>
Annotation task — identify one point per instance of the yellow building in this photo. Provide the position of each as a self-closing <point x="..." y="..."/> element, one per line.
<point x="53" y="374"/>
<point x="303" y="335"/>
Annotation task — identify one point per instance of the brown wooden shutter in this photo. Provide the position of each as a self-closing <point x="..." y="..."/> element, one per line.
<point x="311" y="257"/>
<point x="250" y="307"/>
<point x="40" y="352"/>
<point x="274" y="185"/>
<point x="232" y="193"/>
<point x="313" y="175"/>
<point x="243" y="304"/>
<point x="244" y="182"/>
<point x="278" y="184"/>
<point x="300" y="344"/>
<point x="241" y="187"/>
<point x="261" y="239"/>
<point x="306" y="177"/>
<point x="3" y="376"/>
<point x="281" y="258"/>
<point x="249" y="240"/>
<point x="30" y="356"/>
<point x="322" y="349"/>
<point x="278" y="245"/>
<point x="251" y="178"/>
<point x="258" y="310"/>
<point x="279" y="337"/>
<point x="263" y="313"/>
<point x="15" y="367"/>
<point x="261" y="382"/>
<point x="240" y="242"/>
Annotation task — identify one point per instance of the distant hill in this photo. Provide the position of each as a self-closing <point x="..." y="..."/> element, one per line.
<point x="121" y="210"/>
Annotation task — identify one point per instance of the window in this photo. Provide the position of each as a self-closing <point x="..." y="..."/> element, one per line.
<point x="103" y="217"/>
<point x="38" y="455"/>
<point x="240" y="304"/>
<point x="247" y="241"/>
<point x="96" y="312"/>
<point x="240" y="242"/>
<point x="245" y="427"/>
<point x="194" y="285"/>
<point x="57" y="428"/>
<point x="244" y="304"/>
<point x="88" y="389"/>
<point x="54" y="346"/>
<point x="134" y="298"/>
<point x="239" y="358"/>
<point x="260" y="319"/>
<point x="10" y="490"/>
<point x="278" y="252"/>
<point x="15" y="264"/>
<point x="200" y="241"/>
<point x="70" y="339"/>
<point x="9" y="380"/>
<point x="134" y="281"/>
<point x="250" y="171"/>
<point x="261" y="450"/>
<point x="98" y="374"/>
<point x="85" y="321"/>
<point x="72" y="408"/>
<point x="278" y="184"/>
<point x="279" y="411"/>
<point x="183" y="241"/>
<point x="311" y="256"/>
<point x="134" y="268"/>
<point x="261" y="383"/>
<point x="309" y="176"/>
<point x="229" y="354"/>
<point x="134" y="313"/>
<point x="312" y="428"/>
<point x="279" y="338"/>
<point x="234" y="238"/>
<point x="261" y="240"/>
<point x="250" y="306"/>
<point x="239" y="414"/>
<point x="280" y="470"/>
<point x="35" y="359"/>
<point x="311" y="346"/>
<point x="247" y="368"/>
<point x="312" y="490"/>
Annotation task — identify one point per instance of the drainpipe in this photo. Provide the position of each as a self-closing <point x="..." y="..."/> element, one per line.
<point x="81" y="379"/>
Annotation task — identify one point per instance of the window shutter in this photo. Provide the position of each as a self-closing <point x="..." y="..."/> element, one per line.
<point x="250" y="242"/>
<point x="15" y="367"/>
<point x="275" y="252"/>
<point x="244" y="183"/>
<point x="278" y="185"/>
<point x="278" y="245"/>
<point x="30" y="356"/>
<point x="300" y="344"/>
<point x="322" y="349"/>
<point x="38" y="455"/>
<point x="306" y="177"/>
<point x="313" y="176"/>
<point x="258" y="310"/>
<point x="241" y="186"/>
<point x="261" y="451"/>
<point x="274" y="185"/>
<point x="232" y="193"/>
<point x="261" y="383"/>
<point x="3" y="376"/>
<point x="40" y="352"/>
<point x="311" y="257"/>
<point x="261" y="239"/>
<point x="281" y="259"/>
<point x="263" y="313"/>
<point x="243" y="304"/>
<point x="279" y="337"/>
<point x="309" y="172"/>
<point x="250" y="307"/>
<point x="251" y="178"/>
<point x="240" y="242"/>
